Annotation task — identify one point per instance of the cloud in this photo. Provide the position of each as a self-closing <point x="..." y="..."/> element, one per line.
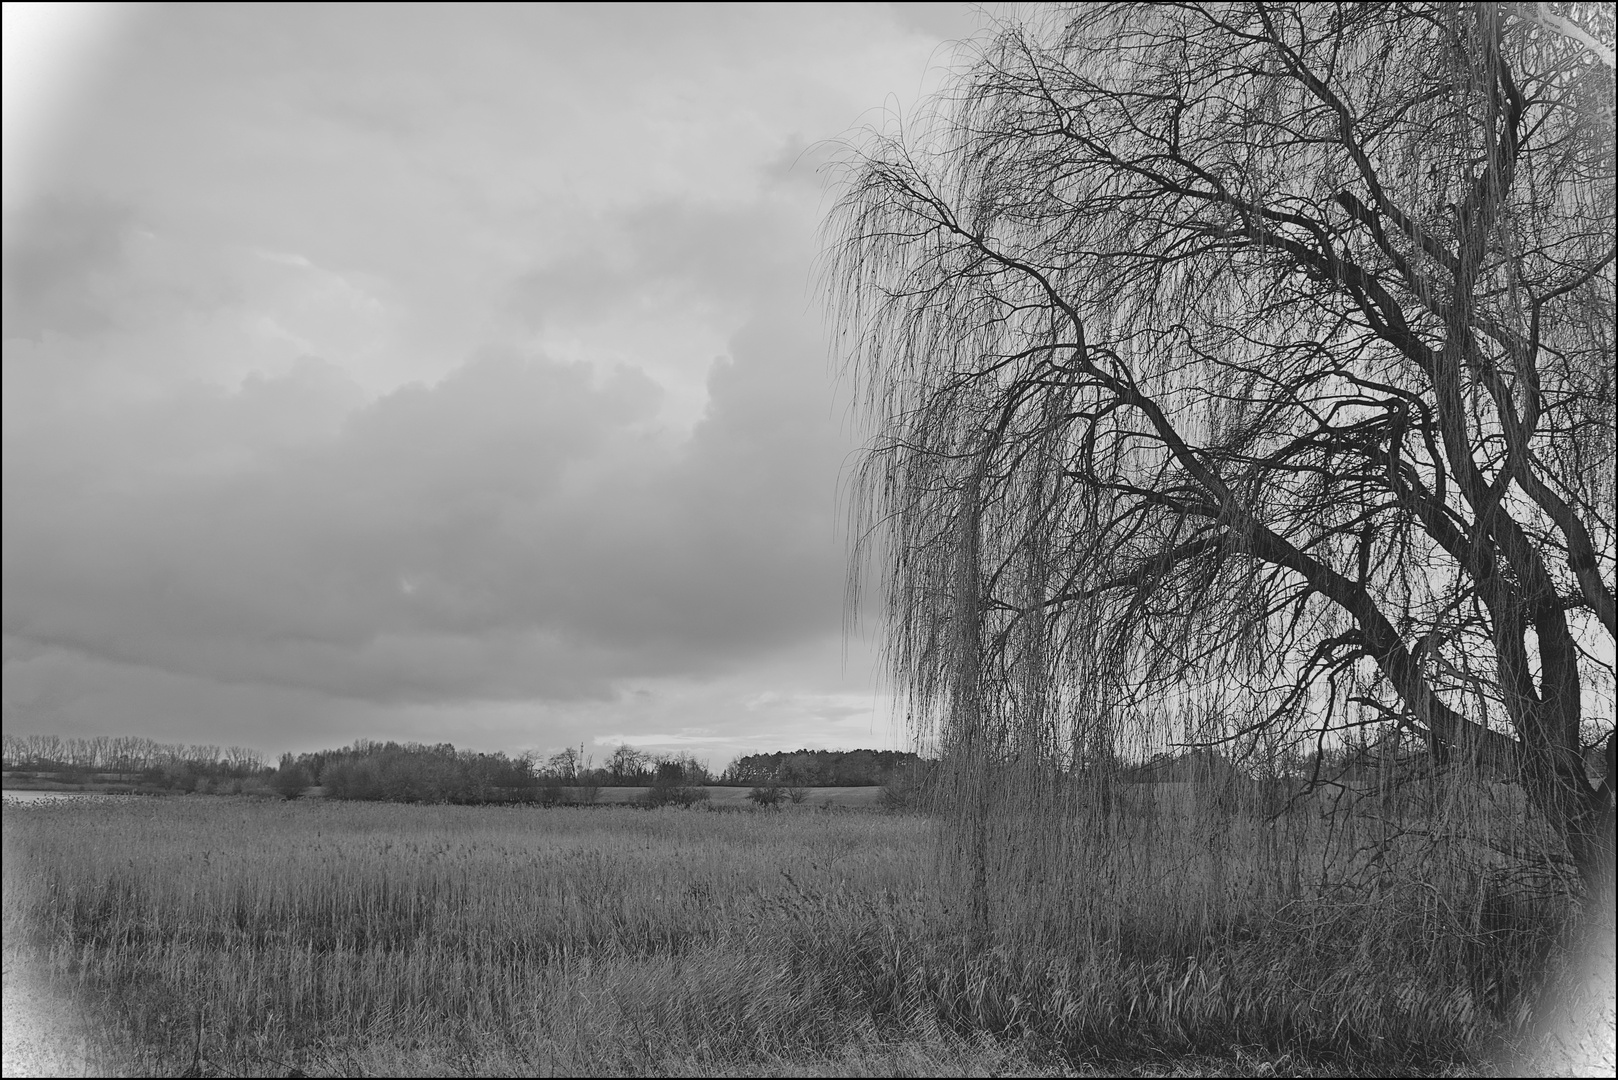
<point x="515" y="530"/>
<point x="404" y="373"/>
<point x="524" y="528"/>
<point x="57" y="260"/>
<point x="945" y="22"/>
<point x="668" y="252"/>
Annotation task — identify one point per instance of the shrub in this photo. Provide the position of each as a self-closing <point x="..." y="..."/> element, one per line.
<point x="290" y="780"/>
<point x="766" y="794"/>
<point x="664" y="793"/>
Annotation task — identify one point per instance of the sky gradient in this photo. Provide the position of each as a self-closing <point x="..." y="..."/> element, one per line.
<point x="435" y="373"/>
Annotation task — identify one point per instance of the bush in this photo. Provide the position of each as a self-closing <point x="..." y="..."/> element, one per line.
<point x="671" y="794"/>
<point x="290" y="780"/>
<point x="767" y="794"/>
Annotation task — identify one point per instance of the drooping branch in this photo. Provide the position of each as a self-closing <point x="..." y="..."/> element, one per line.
<point x="1211" y="335"/>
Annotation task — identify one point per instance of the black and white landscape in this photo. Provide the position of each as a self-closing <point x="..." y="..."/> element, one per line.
<point x="897" y="539"/>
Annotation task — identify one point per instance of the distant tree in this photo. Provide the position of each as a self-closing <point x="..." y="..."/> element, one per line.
<point x="243" y="761"/>
<point x="628" y="765"/>
<point x="683" y="768"/>
<point x="564" y="766"/>
<point x="796" y="773"/>
<point x="1249" y="361"/>
<point x="291" y="779"/>
<point x="748" y="769"/>
<point x="414" y="772"/>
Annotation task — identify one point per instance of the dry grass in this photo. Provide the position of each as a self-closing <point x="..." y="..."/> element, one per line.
<point x="233" y="936"/>
<point x="726" y="798"/>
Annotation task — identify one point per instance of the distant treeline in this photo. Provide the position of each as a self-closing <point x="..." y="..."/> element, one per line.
<point x="821" y="768"/>
<point x="410" y="772"/>
<point x="417" y="772"/>
<point x="414" y="772"/>
<point x="438" y="773"/>
<point x="133" y="760"/>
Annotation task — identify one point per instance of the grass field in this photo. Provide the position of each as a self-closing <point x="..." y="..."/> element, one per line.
<point x="849" y="798"/>
<point x="214" y="936"/>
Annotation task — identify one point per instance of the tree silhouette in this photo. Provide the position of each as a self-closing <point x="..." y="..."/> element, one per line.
<point x="1241" y="374"/>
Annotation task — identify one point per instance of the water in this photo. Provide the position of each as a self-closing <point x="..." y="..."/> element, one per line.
<point x="30" y="798"/>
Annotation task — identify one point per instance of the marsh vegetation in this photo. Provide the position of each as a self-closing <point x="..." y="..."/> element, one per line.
<point x="248" y="937"/>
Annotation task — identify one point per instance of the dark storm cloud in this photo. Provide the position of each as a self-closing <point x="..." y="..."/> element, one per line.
<point x="516" y="529"/>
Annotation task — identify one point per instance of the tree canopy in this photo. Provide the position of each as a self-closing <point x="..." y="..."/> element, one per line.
<point x="1243" y="374"/>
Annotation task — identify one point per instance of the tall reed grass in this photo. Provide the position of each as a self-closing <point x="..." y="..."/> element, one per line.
<point x="236" y="936"/>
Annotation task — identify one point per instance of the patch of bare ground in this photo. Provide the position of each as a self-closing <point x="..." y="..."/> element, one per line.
<point x="45" y="1032"/>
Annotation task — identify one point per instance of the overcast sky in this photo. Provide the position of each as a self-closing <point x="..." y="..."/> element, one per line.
<point x="437" y="373"/>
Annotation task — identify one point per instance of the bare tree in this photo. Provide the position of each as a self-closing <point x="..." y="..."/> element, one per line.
<point x="628" y="765"/>
<point x="1243" y="373"/>
<point x="564" y="766"/>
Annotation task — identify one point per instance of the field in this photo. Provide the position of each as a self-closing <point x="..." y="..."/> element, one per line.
<point x="223" y="936"/>
<point x="867" y="798"/>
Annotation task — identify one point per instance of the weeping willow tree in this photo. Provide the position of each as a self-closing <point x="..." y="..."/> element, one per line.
<point x="1243" y="379"/>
